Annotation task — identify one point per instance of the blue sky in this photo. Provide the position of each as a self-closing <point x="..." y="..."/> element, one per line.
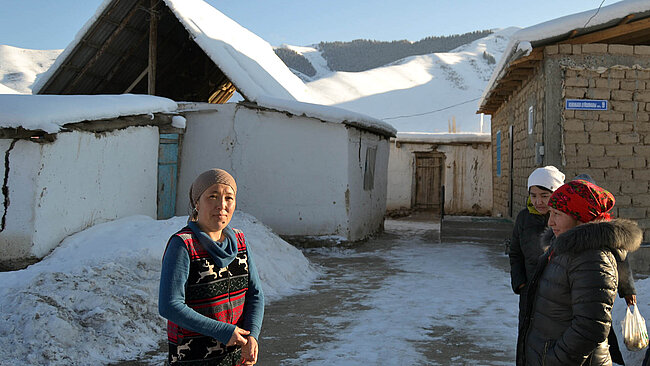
<point x="52" y="24"/>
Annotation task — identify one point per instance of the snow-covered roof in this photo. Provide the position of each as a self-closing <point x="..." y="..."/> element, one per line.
<point x="321" y="112"/>
<point x="248" y="61"/>
<point x="49" y="112"/>
<point x="522" y="41"/>
<point x="442" y="138"/>
<point x="329" y="114"/>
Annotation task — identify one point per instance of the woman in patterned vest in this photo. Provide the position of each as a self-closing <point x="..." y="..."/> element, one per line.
<point x="210" y="291"/>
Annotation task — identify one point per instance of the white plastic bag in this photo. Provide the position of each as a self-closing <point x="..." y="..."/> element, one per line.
<point x="635" y="333"/>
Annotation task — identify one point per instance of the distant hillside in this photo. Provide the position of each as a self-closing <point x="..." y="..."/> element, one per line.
<point x="295" y="61"/>
<point x="423" y="93"/>
<point x="19" y="67"/>
<point x="363" y="54"/>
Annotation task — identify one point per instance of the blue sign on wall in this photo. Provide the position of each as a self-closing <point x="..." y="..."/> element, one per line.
<point x="586" y="104"/>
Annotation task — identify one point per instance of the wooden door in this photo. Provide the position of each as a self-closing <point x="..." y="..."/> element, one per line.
<point x="428" y="181"/>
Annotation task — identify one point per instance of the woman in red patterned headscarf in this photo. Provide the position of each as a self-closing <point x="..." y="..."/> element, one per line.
<point x="568" y="314"/>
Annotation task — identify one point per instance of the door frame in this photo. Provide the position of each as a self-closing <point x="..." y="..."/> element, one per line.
<point x="439" y="189"/>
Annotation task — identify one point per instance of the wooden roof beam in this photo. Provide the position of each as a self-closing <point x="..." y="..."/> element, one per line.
<point x="536" y="54"/>
<point x="137" y="80"/>
<point x="153" y="48"/>
<point x="519" y="76"/>
<point x="626" y="19"/>
<point x="610" y="33"/>
<point x="123" y="59"/>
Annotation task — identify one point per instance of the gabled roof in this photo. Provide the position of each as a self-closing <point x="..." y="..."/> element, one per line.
<point x="202" y="55"/>
<point x="625" y="22"/>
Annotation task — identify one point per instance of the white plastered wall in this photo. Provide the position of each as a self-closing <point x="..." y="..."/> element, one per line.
<point x="400" y="176"/>
<point x="467" y="176"/>
<point x="24" y="161"/>
<point x="468" y="179"/>
<point x="79" y="180"/>
<point x="291" y="171"/>
<point x="367" y="207"/>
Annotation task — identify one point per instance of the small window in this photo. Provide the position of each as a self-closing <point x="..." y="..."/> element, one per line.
<point x="369" y="169"/>
<point x="498" y="148"/>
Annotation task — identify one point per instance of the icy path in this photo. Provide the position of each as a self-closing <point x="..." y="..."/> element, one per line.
<point x="398" y="299"/>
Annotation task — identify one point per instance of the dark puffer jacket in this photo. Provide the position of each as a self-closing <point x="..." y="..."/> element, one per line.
<point x="570" y="299"/>
<point x="525" y="248"/>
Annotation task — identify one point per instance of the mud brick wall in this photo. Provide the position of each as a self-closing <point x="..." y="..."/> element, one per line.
<point x="515" y="114"/>
<point x="612" y="146"/>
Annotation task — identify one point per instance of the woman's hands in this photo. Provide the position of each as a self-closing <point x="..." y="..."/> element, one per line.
<point x="240" y="337"/>
<point x="249" y="352"/>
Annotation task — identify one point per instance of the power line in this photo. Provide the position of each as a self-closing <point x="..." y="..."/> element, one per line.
<point x="593" y="16"/>
<point x="434" y="111"/>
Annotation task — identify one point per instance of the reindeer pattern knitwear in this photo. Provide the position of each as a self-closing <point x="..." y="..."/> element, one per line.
<point x="220" y="289"/>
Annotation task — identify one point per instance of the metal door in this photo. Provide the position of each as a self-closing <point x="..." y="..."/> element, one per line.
<point x="167" y="174"/>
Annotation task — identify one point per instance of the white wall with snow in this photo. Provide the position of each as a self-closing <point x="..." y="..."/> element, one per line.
<point x="79" y="180"/>
<point x="24" y="161"/>
<point x="292" y="171"/>
<point x="467" y="174"/>
<point x="367" y="204"/>
<point x="401" y="176"/>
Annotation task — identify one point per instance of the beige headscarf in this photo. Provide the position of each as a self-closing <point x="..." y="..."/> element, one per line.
<point x="204" y="181"/>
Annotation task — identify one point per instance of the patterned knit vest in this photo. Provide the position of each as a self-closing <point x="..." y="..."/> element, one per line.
<point x="217" y="293"/>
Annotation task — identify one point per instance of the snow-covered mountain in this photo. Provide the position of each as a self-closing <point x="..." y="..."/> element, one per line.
<point x="426" y="93"/>
<point x="19" y="67"/>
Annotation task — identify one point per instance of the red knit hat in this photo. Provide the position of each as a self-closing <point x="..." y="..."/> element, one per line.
<point x="582" y="200"/>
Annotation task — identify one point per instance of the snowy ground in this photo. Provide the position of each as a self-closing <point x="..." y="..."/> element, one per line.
<point x="404" y="297"/>
<point x="400" y="299"/>
<point x="94" y="299"/>
<point x="400" y="296"/>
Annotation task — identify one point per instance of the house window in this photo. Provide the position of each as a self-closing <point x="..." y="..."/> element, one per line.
<point x="369" y="169"/>
<point x="498" y="153"/>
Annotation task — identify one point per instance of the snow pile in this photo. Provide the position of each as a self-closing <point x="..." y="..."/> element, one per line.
<point x="425" y="93"/>
<point x="49" y="112"/>
<point x="94" y="299"/>
<point x="179" y="122"/>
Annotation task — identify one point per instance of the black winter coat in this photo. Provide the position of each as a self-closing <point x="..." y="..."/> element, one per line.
<point x="524" y="247"/>
<point x="568" y="314"/>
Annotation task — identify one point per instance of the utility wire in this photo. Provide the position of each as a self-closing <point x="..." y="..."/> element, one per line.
<point x="434" y="111"/>
<point x="593" y="16"/>
<point x="475" y="99"/>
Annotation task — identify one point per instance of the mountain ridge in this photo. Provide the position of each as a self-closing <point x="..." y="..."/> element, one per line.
<point x="365" y="54"/>
<point x="420" y="93"/>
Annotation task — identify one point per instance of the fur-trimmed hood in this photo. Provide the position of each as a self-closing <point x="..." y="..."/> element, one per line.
<point x="621" y="236"/>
